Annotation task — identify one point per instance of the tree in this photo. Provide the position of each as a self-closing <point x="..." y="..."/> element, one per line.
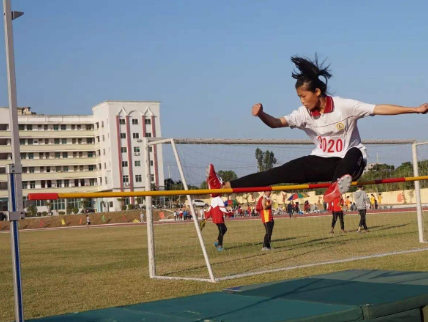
<point x="265" y="160"/>
<point x="48" y="204"/>
<point x="84" y="204"/>
<point x="32" y="210"/>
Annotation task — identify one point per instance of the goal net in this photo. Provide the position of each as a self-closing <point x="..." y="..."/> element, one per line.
<point x="302" y="236"/>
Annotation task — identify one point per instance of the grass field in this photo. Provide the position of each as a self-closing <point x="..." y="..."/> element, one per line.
<point x="73" y="270"/>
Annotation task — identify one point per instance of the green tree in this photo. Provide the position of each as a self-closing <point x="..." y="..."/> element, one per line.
<point x="225" y="175"/>
<point x="32" y="210"/>
<point x="265" y="160"/>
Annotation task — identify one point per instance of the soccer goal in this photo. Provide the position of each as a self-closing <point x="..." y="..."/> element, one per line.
<point x="302" y="237"/>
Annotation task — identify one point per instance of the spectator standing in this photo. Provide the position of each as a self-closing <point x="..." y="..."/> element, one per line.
<point x="372" y="201"/>
<point x="360" y="197"/>
<point x="264" y="208"/>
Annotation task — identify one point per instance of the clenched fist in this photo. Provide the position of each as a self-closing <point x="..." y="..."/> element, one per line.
<point x="421" y="109"/>
<point x="257" y="109"/>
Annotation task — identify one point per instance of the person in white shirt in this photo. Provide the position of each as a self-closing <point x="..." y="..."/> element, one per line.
<point x="331" y="122"/>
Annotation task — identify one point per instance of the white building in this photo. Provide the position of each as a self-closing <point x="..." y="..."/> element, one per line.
<point x="84" y="153"/>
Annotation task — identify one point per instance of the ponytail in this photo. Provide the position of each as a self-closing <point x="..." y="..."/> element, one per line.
<point x="309" y="72"/>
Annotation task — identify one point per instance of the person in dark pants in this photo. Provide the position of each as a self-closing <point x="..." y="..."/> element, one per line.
<point x="330" y="122"/>
<point x="217" y="212"/>
<point x="360" y="197"/>
<point x="264" y="208"/>
<point x="337" y="213"/>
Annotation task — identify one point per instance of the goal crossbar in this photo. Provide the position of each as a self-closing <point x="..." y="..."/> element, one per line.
<point x="55" y="196"/>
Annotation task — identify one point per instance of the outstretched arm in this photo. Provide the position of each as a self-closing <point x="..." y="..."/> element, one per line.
<point x="385" y="109"/>
<point x="269" y="120"/>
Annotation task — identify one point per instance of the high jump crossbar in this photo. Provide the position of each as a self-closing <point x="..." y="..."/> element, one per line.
<point x="55" y="196"/>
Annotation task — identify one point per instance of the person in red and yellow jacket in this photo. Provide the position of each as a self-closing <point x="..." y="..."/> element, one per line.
<point x="264" y="208"/>
<point x="217" y="212"/>
<point x="336" y="209"/>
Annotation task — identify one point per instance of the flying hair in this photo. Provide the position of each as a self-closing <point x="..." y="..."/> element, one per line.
<point x="309" y="72"/>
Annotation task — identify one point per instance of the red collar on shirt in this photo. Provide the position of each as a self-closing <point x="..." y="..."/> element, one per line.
<point x="329" y="107"/>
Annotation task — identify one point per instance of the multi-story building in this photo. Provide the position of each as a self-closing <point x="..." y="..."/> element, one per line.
<point x="84" y="153"/>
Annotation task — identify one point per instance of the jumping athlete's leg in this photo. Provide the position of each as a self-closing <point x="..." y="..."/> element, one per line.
<point x="302" y="170"/>
<point x="353" y="164"/>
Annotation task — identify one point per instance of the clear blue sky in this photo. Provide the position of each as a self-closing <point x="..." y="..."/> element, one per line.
<point x="209" y="61"/>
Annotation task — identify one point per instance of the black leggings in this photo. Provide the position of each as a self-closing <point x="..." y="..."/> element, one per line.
<point x="269" y="230"/>
<point x="222" y="229"/>
<point x="362" y="213"/>
<point x="310" y="168"/>
<point x="337" y="214"/>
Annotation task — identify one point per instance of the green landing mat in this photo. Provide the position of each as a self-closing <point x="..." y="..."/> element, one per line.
<point x="355" y="295"/>
<point x="216" y="307"/>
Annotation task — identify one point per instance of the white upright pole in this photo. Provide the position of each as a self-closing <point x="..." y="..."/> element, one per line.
<point x="195" y="217"/>
<point x="418" y="193"/>
<point x="149" y="211"/>
<point x="14" y="170"/>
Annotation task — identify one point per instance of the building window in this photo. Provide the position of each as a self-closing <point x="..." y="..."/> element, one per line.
<point x="66" y="183"/>
<point x="31" y="155"/>
<point x="30" y="141"/>
<point x="57" y="155"/>
<point x="29" y="127"/>
<point x="138" y="178"/>
<point x="150" y="148"/>
<point x="24" y="185"/>
<point x="42" y="169"/>
<point x="123" y="135"/>
<point x="80" y="154"/>
<point x="148" y="135"/>
<point x="106" y="180"/>
<point x="32" y="184"/>
<point x="65" y="155"/>
<point x="64" y="141"/>
<point x="104" y="151"/>
<point x="46" y="141"/>
<point x="74" y="154"/>
<point x="79" y="141"/>
<point x="122" y="121"/>
<point x="22" y="141"/>
<point x="79" y="127"/>
<point x="148" y="121"/>
<point x="92" y="182"/>
<point x="135" y="121"/>
<point x="101" y="180"/>
<point x="99" y="166"/>
<point x="39" y="127"/>
<point x="90" y="154"/>
<point x="98" y="139"/>
<point x="136" y="149"/>
<point x="65" y="168"/>
<point x="63" y="127"/>
<point x="152" y="177"/>
<point x="135" y="135"/>
<point x="123" y="149"/>
<point x="45" y="127"/>
<point x="75" y="168"/>
<point x="56" y="141"/>
<point x="124" y="164"/>
<point x="59" y="183"/>
<point x="88" y="127"/>
<point x="24" y="170"/>
<point x="104" y="138"/>
<point x="102" y="123"/>
<point x="81" y="168"/>
<point x="48" y="169"/>
<point x="89" y="140"/>
<point x="56" y="127"/>
<point x="151" y="162"/>
<point x="125" y="179"/>
<point x="105" y="166"/>
<point x="31" y="169"/>
<point x="137" y="163"/>
<point x="21" y="127"/>
<point x="91" y="168"/>
<point x="110" y="204"/>
<point x="58" y="169"/>
<point x="41" y="155"/>
<point x="73" y="127"/>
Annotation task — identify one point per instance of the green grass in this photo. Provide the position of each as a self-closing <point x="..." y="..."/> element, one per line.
<point x="83" y="269"/>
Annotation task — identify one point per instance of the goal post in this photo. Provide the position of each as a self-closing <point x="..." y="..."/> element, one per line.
<point x="189" y="158"/>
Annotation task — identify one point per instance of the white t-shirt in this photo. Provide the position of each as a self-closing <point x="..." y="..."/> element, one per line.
<point x="335" y="131"/>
